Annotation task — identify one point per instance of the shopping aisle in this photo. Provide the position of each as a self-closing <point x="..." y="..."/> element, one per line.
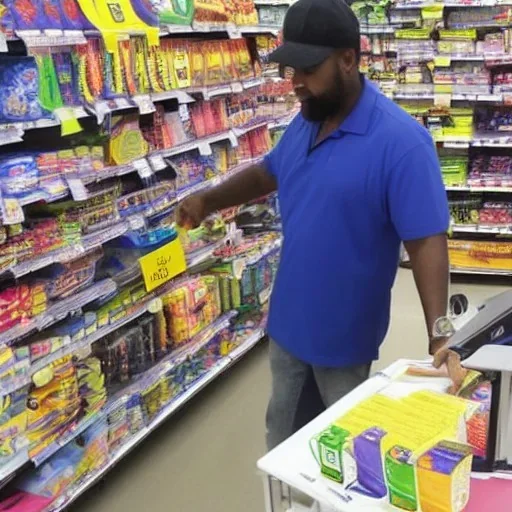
<point x="204" y="459"/>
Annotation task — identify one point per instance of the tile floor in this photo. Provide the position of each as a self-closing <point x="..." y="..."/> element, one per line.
<point x="204" y="458"/>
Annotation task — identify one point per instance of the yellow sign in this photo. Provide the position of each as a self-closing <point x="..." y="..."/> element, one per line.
<point x="162" y="265"/>
<point x="442" y="61"/>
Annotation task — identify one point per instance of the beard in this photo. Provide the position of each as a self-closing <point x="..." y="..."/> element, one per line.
<point x="319" y="108"/>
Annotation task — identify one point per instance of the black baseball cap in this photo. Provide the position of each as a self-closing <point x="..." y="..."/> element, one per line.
<point x="313" y="29"/>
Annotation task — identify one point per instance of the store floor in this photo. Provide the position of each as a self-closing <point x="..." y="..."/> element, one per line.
<point x="204" y="458"/>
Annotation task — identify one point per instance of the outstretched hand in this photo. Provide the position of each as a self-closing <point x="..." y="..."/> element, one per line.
<point x="452" y="362"/>
<point x="191" y="212"/>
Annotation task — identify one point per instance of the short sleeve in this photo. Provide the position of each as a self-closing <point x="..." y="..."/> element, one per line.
<point x="272" y="160"/>
<point x="417" y="199"/>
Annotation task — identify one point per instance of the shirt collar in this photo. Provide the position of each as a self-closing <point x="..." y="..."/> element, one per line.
<point x="358" y="120"/>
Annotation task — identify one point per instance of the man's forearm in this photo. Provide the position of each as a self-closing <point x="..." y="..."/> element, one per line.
<point x="430" y="266"/>
<point x="249" y="184"/>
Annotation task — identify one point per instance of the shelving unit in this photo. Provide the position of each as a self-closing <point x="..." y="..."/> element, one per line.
<point x="450" y="65"/>
<point x="120" y="128"/>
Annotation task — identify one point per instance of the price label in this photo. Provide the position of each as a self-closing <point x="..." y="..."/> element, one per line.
<point x="74" y="37"/>
<point x="237" y="87"/>
<point x="442" y="100"/>
<point x="160" y="266"/>
<point x="158" y="162"/>
<point x="101" y="108"/>
<point x="122" y="103"/>
<point x="183" y="112"/>
<point x="3" y="43"/>
<point x="146" y="106"/>
<point x="68" y="122"/>
<point x="136" y="222"/>
<point x="77" y="188"/>
<point x="53" y="32"/>
<point x="204" y="149"/>
<point x="143" y="168"/>
<point x="12" y="211"/>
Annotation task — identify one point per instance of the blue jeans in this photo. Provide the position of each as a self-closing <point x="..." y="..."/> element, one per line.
<point x="300" y="392"/>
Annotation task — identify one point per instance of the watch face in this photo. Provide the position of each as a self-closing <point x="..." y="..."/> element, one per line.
<point x="443" y="327"/>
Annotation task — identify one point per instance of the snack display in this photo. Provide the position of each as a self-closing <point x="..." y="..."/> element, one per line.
<point x="402" y="448"/>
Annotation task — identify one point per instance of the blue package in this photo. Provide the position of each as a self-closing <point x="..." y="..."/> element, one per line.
<point x="19" y="176"/>
<point x="19" y="90"/>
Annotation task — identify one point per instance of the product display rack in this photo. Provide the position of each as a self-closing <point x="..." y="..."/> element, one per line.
<point x="108" y="120"/>
<point x="449" y="65"/>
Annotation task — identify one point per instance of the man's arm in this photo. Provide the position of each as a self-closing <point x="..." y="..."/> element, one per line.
<point x="252" y="183"/>
<point x="249" y="184"/>
<point x="418" y="207"/>
<point x="431" y="269"/>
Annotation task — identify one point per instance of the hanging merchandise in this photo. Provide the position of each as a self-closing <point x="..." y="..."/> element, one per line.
<point x="146" y="10"/>
<point x="115" y="19"/>
<point x="19" y="90"/>
<point x="109" y="313"/>
<point x="126" y="140"/>
<point x="176" y="12"/>
<point x="27" y="15"/>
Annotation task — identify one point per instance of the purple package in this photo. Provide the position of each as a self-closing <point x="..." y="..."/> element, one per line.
<point x="27" y="15"/>
<point x="53" y="14"/>
<point x="368" y="458"/>
<point x="146" y="11"/>
<point x="72" y="16"/>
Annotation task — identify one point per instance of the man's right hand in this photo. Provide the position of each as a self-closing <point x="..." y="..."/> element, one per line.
<point x="243" y="187"/>
<point x="191" y="211"/>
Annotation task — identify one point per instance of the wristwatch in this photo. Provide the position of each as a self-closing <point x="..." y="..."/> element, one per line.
<point x="442" y="328"/>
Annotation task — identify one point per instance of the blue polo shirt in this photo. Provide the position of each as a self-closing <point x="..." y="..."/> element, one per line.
<point x="346" y="204"/>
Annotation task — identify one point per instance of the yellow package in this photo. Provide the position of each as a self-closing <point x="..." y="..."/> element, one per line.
<point x="443" y="474"/>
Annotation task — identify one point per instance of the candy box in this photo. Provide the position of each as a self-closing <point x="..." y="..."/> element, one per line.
<point x="401" y="478"/>
<point x="366" y="455"/>
<point x="443" y="474"/>
<point x="191" y="306"/>
<point x="327" y="447"/>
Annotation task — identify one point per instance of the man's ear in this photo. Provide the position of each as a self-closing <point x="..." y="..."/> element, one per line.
<point x="348" y="60"/>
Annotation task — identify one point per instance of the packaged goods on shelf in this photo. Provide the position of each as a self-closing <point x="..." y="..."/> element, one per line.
<point x="272" y="15"/>
<point x="481" y="255"/>
<point x="377" y="449"/>
<point x="176" y="13"/>
<point x="93" y="360"/>
<point x="477" y="212"/>
<point x="190" y="307"/>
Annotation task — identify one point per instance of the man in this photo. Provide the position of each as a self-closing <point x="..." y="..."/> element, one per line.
<point x="356" y="175"/>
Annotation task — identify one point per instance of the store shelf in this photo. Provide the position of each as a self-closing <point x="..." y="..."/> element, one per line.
<point x="165" y="414"/>
<point x="490" y="230"/>
<point x="462" y="3"/>
<point x="480" y="271"/>
<point x="11" y="133"/>
<point x="58" y="311"/>
<point x="14" y="465"/>
<point x="493" y="190"/>
<point x="70" y="252"/>
<point x="472" y="98"/>
<point x="377" y="29"/>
